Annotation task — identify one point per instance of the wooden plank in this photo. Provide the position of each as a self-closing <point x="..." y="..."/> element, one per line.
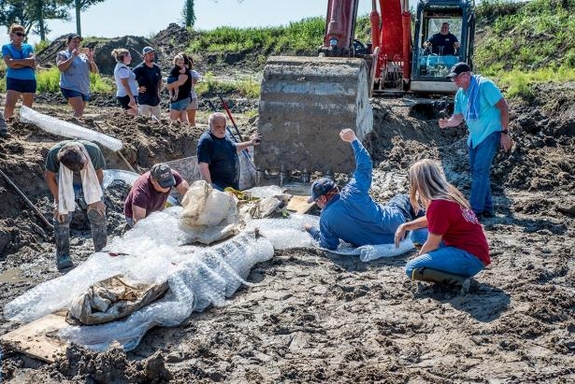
<point x="39" y="339"/>
<point x="299" y="204"/>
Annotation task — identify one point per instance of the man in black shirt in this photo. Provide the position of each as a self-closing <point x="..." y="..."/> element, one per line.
<point x="150" y="84"/>
<point x="443" y="43"/>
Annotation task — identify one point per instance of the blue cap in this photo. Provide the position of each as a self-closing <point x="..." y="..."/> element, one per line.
<point x="320" y="187"/>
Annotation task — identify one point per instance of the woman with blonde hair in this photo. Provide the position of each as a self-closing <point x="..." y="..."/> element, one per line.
<point x="127" y="87"/>
<point x="20" y="73"/>
<point x="456" y="247"/>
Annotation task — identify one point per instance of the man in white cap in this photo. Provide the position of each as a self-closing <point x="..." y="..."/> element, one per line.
<point x="150" y="84"/>
<point x="351" y="215"/>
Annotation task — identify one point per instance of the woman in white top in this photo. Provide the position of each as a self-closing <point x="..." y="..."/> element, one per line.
<point x="125" y="81"/>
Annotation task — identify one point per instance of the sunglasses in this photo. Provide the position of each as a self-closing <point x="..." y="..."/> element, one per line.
<point x="20" y="34"/>
<point x="458" y="76"/>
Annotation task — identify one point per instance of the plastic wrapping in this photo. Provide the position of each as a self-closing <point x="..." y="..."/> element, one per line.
<point x="206" y="277"/>
<point x="373" y="252"/>
<point x="286" y="233"/>
<point x="66" y="129"/>
<point x="150" y="253"/>
<point x="119" y="174"/>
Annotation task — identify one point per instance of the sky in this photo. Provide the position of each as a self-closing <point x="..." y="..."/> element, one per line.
<point x="113" y="18"/>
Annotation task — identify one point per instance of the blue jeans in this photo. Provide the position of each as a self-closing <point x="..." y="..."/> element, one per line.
<point x="447" y="259"/>
<point x="480" y="160"/>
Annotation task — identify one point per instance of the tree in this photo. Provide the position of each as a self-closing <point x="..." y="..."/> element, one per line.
<point x="32" y="14"/>
<point x="188" y="13"/>
<point x="79" y="7"/>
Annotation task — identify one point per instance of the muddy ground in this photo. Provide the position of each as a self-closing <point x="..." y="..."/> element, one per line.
<point x="315" y="317"/>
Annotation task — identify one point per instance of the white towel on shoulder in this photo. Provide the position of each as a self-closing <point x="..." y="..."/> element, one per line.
<point x="90" y="185"/>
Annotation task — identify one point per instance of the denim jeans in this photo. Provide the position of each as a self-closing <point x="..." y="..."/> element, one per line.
<point x="480" y="160"/>
<point x="447" y="259"/>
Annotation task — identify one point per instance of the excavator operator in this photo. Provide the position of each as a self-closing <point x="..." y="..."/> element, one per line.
<point x="442" y="43"/>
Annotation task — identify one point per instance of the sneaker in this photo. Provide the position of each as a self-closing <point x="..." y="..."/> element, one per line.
<point x="64" y="262"/>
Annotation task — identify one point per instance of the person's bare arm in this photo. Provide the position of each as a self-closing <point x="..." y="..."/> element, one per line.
<point x="138" y="213"/>
<point x="505" y="142"/>
<point x="91" y="63"/>
<point x="205" y="172"/>
<point x="431" y="244"/>
<point x="254" y="141"/>
<point x="50" y="178"/>
<point x="183" y="187"/>
<point x="63" y="63"/>
<point x="453" y="121"/>
<point x="20" y="63"/>
<point x="420" y="222"/>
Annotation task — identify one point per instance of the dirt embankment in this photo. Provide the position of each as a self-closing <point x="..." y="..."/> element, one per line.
<point x="315" y="317"/>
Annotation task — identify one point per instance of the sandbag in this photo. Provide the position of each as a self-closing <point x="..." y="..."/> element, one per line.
<point x="208" y="215"/>
<point x="112" y="299"/>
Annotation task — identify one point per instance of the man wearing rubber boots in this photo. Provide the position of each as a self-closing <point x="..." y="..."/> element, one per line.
<point x="74" y="173"/>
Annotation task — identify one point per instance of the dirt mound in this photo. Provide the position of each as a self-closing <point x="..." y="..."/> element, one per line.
<point x="103" y="47"/>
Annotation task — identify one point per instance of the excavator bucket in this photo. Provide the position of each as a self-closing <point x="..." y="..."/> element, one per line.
<point x="304" y="103"/>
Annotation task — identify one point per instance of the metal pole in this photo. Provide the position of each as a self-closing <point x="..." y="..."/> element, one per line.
<point x="118" y="152"/>
<point x="40" y="214"/>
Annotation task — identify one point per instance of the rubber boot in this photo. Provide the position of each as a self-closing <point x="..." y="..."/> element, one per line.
<point x="62" y="238"/>
<point x="99" y="227"/>
<point x="437" y="276"/>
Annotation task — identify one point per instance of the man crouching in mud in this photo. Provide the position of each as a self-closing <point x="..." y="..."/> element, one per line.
<point x="352" y="215"/>
<point x="74" y="172"/>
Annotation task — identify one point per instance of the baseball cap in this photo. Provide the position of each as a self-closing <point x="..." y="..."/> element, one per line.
<point x="320" y="187"/>
<point x="163" y="175"/>
<point x="147" y="50"/>
<point x="73" y="36"/>
<point x="458" y="69"/>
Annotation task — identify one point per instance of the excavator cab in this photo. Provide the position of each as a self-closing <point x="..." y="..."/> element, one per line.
<point x="443" y="36"/>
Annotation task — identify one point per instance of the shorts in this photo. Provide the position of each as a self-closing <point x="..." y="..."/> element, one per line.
<point x="193" y="104"/>
<point x="147" y="110"/>
<point x="68" y="94"/>
<point x="22" y="86"/>
<point x="180" y="105"/>
<point x="124" y="101"/>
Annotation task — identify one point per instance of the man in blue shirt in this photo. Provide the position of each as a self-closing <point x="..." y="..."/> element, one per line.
<point x="480" y="103"/>
<point x="351" y="215"/>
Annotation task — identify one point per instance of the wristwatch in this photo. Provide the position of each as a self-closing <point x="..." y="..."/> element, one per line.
<point x="505" y="131"/>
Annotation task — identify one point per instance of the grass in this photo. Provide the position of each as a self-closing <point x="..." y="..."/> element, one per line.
<point x="527" y="43"/>
<point x="244" y="87"/>
<point x="297" y="37"/>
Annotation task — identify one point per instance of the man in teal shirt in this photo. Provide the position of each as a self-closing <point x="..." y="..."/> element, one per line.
<point x="480" y="103"/>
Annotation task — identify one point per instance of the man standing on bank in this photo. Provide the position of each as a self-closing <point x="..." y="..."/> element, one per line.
<point x="480" y="103"/>
<point x="150" y="84"/>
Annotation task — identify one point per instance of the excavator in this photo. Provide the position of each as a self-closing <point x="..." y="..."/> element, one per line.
<point x="306" y="101"/>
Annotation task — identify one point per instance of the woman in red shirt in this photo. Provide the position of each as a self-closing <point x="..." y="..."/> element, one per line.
<point x="456" y="248"/>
